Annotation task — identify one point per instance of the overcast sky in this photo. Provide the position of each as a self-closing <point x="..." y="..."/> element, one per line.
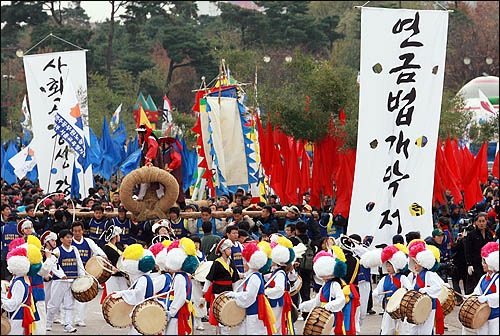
<point x="99" y="11"/>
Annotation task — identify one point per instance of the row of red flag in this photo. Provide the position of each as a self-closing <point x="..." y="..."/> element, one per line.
<point x="332" y="173"/>
<point x="333" y="169"/>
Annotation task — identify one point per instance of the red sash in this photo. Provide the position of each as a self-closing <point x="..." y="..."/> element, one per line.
<point x="396" y="281"/>
<point x="339" y="322"/>
<point x="287" y="307"/>
<point x="28" y="318"/>
<point x="354" y="306"/>
<point x="210" y="297"/>
<point x="183" y="327"/>
<point x="104" y="293"/>
<point x="439" y="318"/>
<point x="263" y="315"/>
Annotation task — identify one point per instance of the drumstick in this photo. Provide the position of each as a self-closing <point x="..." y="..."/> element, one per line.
<point x="386" y="292"/>
<point x="460" y="294"/>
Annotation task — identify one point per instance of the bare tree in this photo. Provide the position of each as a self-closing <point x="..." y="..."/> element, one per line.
<point x="57" y="16"/>
<point x="115" y="5"/>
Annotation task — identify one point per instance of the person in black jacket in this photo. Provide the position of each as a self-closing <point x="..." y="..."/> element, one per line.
<point x="306" y="275"/>
<point x="475" y="240"/>
<point x="460" y="271"/>
<point x="266" y="223"/>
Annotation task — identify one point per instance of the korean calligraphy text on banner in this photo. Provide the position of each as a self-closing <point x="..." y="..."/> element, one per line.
<point x="402" y="71"/>
<point x="46" y="78"/>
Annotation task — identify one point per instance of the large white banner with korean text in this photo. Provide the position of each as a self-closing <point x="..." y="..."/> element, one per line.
<point x="46" y="75"/>
<point x="402" y="70"/>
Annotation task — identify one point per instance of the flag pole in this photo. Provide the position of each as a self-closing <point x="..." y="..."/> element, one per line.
<point x="52" y="162"/>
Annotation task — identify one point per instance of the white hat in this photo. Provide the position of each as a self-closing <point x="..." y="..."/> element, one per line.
<point x="422" y="254"/>
<point x="396" y="257"/>
<point x="254" y="256"/>
<point x="181" y="256"/>
<point x="282" y="251"/>
<point x="161" y="223"/>
<point x="489" y="253"/>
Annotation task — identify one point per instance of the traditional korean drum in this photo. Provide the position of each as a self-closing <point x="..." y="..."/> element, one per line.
<point x="394" y="304"/>
<point x="226" y="311"/>
<point x="416" y="306"/>
<point x="116" y="312"/>
<point x="474" y="314"/>
<point x="84" y="289"/>
<point x="149" y="317"/>
<point x="319" y="322"/>
<point x="5" y="324"/>
<point x="295" y="287"/>
<point x="447" y="300"/>
<point x="202" y="271"/>
<point x="99" y="268"/>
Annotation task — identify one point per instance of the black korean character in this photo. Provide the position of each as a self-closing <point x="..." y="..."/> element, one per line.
<point x="387" y="221"/>
<point x="412" y="26"/>
<point x="55" y="86"/>
<point x="388" y="174"/>
<point x="405" y="118"/>
<point x="51" y="64"/>
<point x="406" y="77"/>
<point x="63" y="186"/>
<point x="406" y="58"/>
<point x="393" y="101"/>
<point x="401" y="144"/>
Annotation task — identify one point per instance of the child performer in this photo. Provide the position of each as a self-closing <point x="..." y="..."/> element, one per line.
<point x="330" y="297"/>
<point x="487" y="288"/>
<point x="221" y="277"/>
<point x="19" y="302"/>
<point x="395" y="262"/>
<point x="259" y="319"/>
<point x="424" y="262"/>
<point x="49" y="241"/>
<point x="116" y="281"/>
<point x="138" y="263"/>
<point x="181" y="259"/>
<point x="277" y="288"/>
<point x="71" y="267"/>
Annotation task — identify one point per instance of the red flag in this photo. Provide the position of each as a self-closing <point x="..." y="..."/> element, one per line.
<point x="343" y="180"/>
<point x="495" y="167"/>
<point x="262" y="144"/>
<point x="305" y="173"/>
<point x="269" y="147"/>
<point x="450" y="157"/>
<point x="438" y="188"/>
<point x="277" y="173"/>
<point x="483" y="163"/>
<point x="472" y="189"/>
<point x="292" y="169"/>
<point x="315" y="188"/>
<point x="446" y="176"/>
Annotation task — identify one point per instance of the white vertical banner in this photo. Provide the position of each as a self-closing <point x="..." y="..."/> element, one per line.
<point x="46" y="75"/>
<point x="401" y="83"/>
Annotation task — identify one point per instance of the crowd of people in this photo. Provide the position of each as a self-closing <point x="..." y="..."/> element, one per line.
<point x="329" y="263"/>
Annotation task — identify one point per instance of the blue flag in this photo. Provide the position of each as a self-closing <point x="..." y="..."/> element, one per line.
<point x="33" y="174"/>
<point x="119" y="139"/>
<point x="189" y="165"/>
<point x="131" y="163"/>
<point x="95" y="154"/>
<point x="7" y="169"/>
<point x="3" y="157"/>
<point x="109" y="154"/>
<point x="75" y="183"/>
<point x="26" y="137"/>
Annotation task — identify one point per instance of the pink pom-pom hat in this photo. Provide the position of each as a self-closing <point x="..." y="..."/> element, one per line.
<point x="388" y="252"/>
<point x="156" y="248"/>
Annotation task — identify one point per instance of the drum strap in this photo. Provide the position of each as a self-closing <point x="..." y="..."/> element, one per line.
<point x="209" y="297"/>
<point x="355" y="273"/>
<point x="439" y="318"/>
<point x="492" y="283"/>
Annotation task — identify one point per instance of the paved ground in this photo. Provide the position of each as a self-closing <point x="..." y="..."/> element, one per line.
<point x="97" y="326"/>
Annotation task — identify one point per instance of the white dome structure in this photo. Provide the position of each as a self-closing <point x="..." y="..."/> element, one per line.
<point x="470" y="92"/>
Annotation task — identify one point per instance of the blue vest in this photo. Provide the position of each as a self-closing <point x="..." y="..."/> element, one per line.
<point x="149" y="286"/>
<point x="9" y="233"/>
<point x="166" y="288"/>
<point x="202" y="258"/>
<point x="179" y="228"/>
<point x="37" y="288"/>
<point x="279" y="301"/>
<point x="416" y="287"/>
<point x="125" y="226"/>
<point x="199" y="227"/>
<point x="84" y="250"/>
<point x="19" y="315"/>
<point x="189" y="291"/>
<point x="237" y="258"/>
<point x="67" y="261"/>
<point x="484" y="284"/>
<point x="364" y="273"/>
<point x="390" y="286"/>
<point x="96" y="229"/>
<point x="254" y="307"/>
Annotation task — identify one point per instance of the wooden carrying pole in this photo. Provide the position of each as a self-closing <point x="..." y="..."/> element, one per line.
<point x="215" y="214"/>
